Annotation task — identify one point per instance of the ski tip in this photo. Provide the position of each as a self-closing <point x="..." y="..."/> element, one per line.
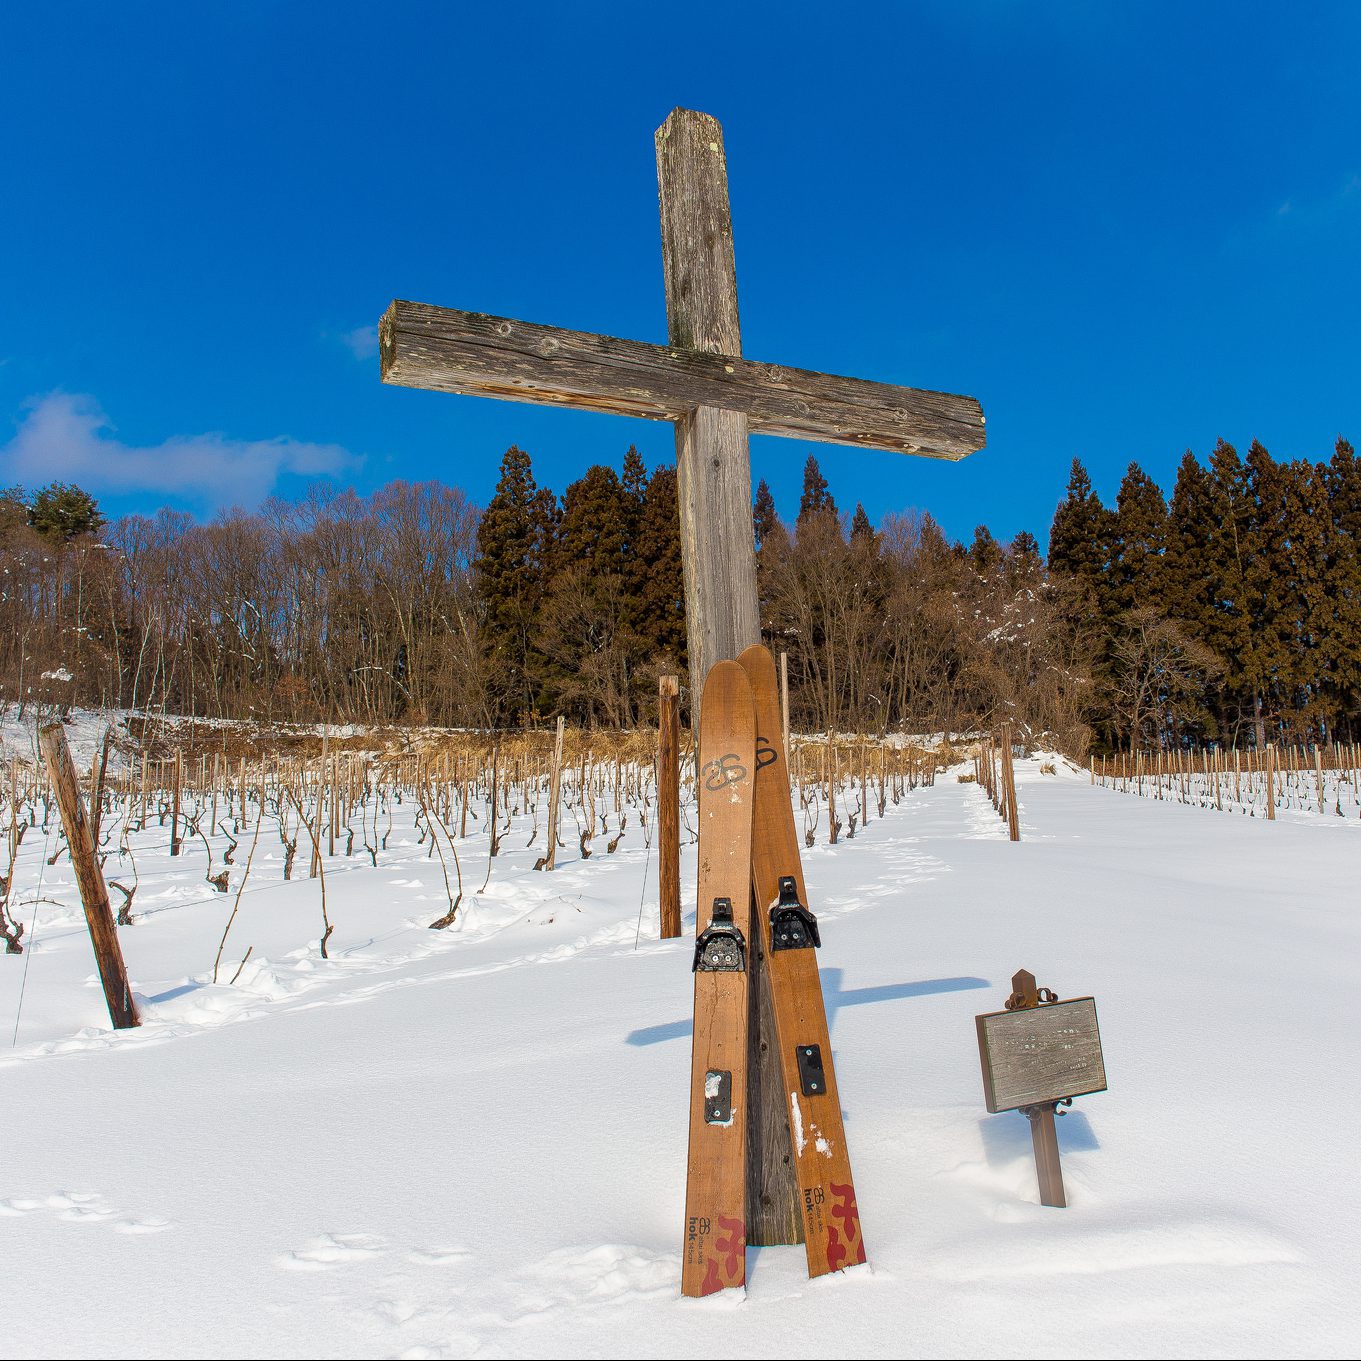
<point x="757" y="652"/>
<point x="726" y="681"/>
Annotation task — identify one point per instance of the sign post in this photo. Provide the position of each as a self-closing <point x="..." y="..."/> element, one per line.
<point x="1038" y="1055"/>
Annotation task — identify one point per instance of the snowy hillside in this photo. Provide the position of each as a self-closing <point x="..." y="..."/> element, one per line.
<point x="472" y="1142"/>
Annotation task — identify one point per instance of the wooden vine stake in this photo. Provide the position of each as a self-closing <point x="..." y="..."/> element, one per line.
<point x="94" y="896"/>
<point x="1009" y="786"/>
<point x="174" y="801"/>
<point x="668" y="804"/>
<point x="554" y="798"/>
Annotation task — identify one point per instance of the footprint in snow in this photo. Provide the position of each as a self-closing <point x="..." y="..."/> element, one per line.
<point x="437" y="1256"/>
<point x="83" y="1207"/>
<point x="331" y="1250"/>
<point x="19" y="1206"/>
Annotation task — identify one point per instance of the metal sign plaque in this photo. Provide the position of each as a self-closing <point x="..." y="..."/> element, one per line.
<point x="1040" y="1054"/>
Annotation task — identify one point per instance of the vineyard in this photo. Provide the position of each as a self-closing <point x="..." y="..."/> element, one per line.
<point x="236" y="810"/>
<point x="1257" y="783"/>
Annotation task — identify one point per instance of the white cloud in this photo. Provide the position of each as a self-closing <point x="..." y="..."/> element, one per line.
<point x="66" y="437"/>
<point x="362" y="342"/>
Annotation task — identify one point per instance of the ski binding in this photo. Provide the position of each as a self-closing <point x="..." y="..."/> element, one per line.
<point x="720" y="948"/>
<point x="792" y="926"/>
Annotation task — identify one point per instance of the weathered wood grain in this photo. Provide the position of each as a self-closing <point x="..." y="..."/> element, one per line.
<point x="485" y="356"/>
<point x="1040" y="1054"/>
<point x="713" y="469"/>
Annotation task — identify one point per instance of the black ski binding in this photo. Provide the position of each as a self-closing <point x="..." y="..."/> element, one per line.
<point x="720" y="948"/>
<point x="792" y="926"/>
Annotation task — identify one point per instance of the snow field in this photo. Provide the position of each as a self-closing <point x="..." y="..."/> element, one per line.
<point x="472" y="1142"/>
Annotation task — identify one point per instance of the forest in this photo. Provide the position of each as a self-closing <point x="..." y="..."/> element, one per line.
<point x="1228" y="612"/>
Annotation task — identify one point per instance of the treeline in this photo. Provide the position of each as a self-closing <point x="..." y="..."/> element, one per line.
<point x="1229" y="615"/>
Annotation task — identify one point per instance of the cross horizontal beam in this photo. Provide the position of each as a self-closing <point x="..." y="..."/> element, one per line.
<point x="482" y="356"/>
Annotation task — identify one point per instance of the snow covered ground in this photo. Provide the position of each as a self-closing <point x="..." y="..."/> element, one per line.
<point x="472" y="1142"/>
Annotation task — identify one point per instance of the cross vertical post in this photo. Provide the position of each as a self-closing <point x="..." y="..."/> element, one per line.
<point x="713" y="469"/>
<point x="718" y="558"/>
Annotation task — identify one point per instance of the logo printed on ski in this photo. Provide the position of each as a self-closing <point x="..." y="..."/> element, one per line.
<point x="844" y="1208"/>
<point x="726" y="770"/>
<point x="765" y="753"/>
<point x="728" y="1265"/>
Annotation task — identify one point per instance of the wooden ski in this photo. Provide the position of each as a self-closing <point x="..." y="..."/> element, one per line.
<point x="715" y="1192"/>
<point x="787" y="932"/>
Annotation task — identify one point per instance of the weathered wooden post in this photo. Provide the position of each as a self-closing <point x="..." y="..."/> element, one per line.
<point x="94" y="896"/>
<point x="175" y="803"/>
<point x="1271" y="781"/>
<point x="718" y="558"/>
<point x="668" y="804"/>
<point x="713" y="468"/>
<point x="554" y="797"/>
<point x="495" y="798"/>
<point x="1009" y="785"/>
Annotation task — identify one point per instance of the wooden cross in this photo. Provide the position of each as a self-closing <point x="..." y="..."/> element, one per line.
<point x="700" y="382"/>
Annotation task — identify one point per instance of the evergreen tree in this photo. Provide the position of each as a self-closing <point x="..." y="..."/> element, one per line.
<point x="1079" y="556"/>
<point x="65" y="512"/>
<point x="658" y="585"/>
<point x="1237" y="562"/>
<point x="1190" y="591"/>
<point x="633" y="481"/>
<point x="764" y="519"/>
<point x="514" y="538"/>
<point x="1079" y="538"/>
<point x="595" y="531"/>
<point x="1302" y="609"/>
<point x="1342" y="638"/>
<point x="1138" y="540"/>
<point x="816" y="499"/>
<point x="861" y="529"/>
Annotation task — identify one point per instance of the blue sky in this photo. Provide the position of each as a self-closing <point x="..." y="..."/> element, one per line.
<point x="1127" y="230"/>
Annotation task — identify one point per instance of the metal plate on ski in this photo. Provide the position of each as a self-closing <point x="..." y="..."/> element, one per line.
<point x="811" y="1077"/>
<point x="718" y="1098"/>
